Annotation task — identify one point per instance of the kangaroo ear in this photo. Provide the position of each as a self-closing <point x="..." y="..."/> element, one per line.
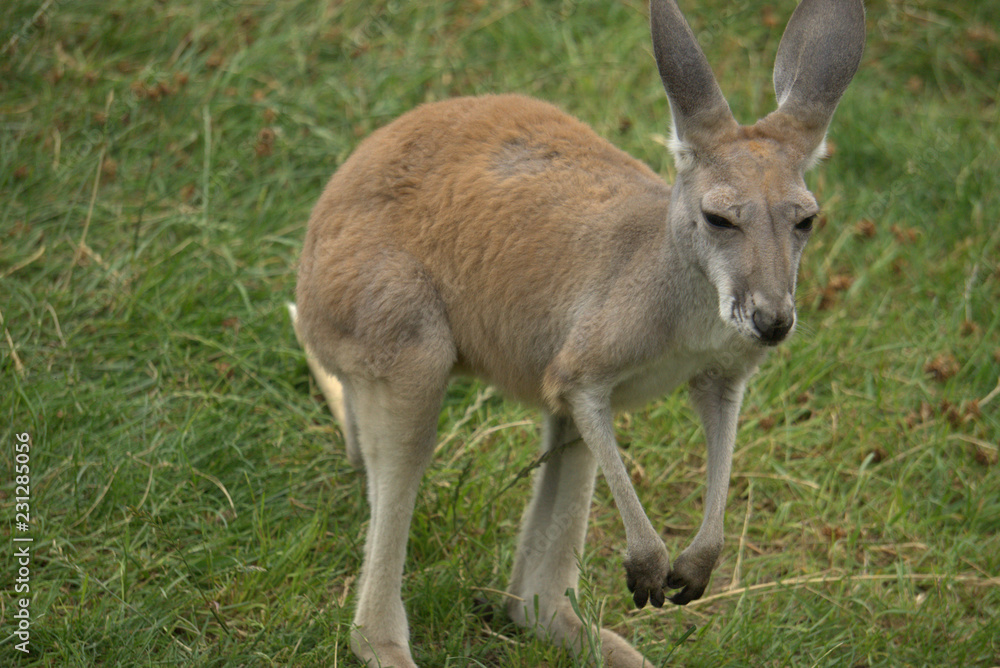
<point x="699" y="110"/>
<point x="817" y="57"/>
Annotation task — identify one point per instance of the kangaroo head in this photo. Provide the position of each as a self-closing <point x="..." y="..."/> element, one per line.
<point x="740" y="209"/>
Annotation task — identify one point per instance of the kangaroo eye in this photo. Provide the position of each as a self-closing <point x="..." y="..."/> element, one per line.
<point x="806" y="224"/>
<point x="719" y="222"/>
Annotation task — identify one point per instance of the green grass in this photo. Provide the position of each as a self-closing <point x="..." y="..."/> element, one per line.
<point x="190" y="497"/>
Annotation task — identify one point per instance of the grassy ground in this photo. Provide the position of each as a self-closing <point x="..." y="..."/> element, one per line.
<point x="190" y="497"/>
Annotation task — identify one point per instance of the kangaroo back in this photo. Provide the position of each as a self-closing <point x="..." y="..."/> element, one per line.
<point x="486" y="212"/>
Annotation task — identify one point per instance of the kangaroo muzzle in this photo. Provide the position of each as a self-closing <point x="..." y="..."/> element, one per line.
<point x="773" y="320"/>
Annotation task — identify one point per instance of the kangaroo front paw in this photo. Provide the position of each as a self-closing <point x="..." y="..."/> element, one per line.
<point x="646" y="576"/>
<point x="691" y="573"/>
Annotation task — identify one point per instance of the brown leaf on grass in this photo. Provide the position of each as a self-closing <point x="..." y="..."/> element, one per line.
<point x="920" y="416"/>
<point x="866" y="228"/>
<point x="942" y="367"/>
<point x="956" y="414"/>
<point x="840" y="282"/>
<point x="984" y="456"/>
<point x="215" y="60"/>
<point x="915" y="84"/>
<point x="877" y="455"/>
<point x="904" y="235"/>
<point x="164" y="89"/>
<point x="109" y="168"/>
<point x="138" y="89"/>
<point x="769" y="18"/>
<point x="265" y="142"/>
<point x="833" y="533"/>
<point x="248" y="26"/>
<point x="836" y="285"/>
<point x="55" y="75"/>
<point x="968" y="328"/>
<point x="951" y="413"/>
<point x="154" y="92"/>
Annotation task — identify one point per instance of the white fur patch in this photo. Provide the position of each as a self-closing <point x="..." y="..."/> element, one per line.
<point x="817" y="156"/>
<point x="731" y="311"/>
<point x="682" y="151"/>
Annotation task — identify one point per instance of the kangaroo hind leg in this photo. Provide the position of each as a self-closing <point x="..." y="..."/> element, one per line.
<point x="396" y="432"/>
<point x="393" y="352"/>
<point x="552" y="539"/>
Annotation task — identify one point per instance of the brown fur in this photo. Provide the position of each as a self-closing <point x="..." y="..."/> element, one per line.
<point x="455" y="186"/>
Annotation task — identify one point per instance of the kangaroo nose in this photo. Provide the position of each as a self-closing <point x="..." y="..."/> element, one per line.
<point x="773" y="326"/>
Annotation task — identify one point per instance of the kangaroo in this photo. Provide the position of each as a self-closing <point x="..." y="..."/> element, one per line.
<point x="499" y="237"/>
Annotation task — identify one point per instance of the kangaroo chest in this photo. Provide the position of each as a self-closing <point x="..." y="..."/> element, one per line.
<point x="719" y="352"/>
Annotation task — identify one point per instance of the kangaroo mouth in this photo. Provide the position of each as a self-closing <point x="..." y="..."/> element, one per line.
<point x="771" y="340"/>
<point x="756" y="323"/>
